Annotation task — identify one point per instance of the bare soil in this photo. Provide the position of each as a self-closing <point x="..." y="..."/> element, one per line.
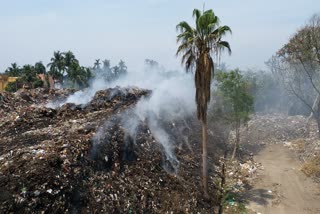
<point x="281" y="187"/>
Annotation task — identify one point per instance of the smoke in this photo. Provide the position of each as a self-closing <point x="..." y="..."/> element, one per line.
<point x="84" y="96"/>
<point x="172" y="99"/>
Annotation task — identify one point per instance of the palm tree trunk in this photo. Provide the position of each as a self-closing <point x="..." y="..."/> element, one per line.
<point x="204" y="159"/>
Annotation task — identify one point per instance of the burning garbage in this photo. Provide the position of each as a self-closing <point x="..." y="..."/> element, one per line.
<point x="85" y="158"/>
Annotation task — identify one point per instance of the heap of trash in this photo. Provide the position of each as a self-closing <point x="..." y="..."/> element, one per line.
<point x="80" y="158"/>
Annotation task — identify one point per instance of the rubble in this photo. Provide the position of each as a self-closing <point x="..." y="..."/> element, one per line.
<point x="274" y="128"/>
<point x="61" y="160"/>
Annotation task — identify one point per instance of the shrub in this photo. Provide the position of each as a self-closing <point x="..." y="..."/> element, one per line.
<point x="11" y="87"/>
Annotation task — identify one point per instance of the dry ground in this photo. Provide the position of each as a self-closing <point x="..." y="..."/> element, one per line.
<point x="282" y="188"/>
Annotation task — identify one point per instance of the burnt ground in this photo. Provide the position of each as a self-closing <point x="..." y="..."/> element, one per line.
<point x="51" y="160"/>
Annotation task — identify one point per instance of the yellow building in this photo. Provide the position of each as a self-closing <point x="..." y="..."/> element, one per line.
<point x="4" y="80"/>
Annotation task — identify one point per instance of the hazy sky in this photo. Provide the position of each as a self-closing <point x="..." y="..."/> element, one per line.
<point x="132" y="30"/>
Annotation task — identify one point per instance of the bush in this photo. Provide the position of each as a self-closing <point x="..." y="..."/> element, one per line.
<point x="11" y="87"/>
<point x="38" y="83"/>
<point x="312" y="167"/>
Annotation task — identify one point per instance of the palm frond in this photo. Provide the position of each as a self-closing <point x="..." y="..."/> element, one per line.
<point x="224" y="44"/>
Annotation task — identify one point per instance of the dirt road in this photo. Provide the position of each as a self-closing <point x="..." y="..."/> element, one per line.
<point x="281" y="187"/>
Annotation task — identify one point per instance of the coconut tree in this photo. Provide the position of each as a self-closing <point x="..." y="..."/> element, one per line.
<point x="106" y="64"/>
<point x="122" y="67"/>
<point x="79" y="75"/>
<point x="69" y="59"/>
<point x="196" y="46"/>
<point x="57" y="62"/>
<point x="97" y="64"/>
<point x="107" y="73"/>
<point x="40" y="68"/>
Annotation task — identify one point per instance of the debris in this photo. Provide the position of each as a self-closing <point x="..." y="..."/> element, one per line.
<point x="79" y="158"/>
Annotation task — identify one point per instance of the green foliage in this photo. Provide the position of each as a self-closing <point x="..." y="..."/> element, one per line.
<point x="11" y="87"/>
<point x="57" y="66"/>
<point x="28" y="74"/>
<point x="107" y="72"/>
<point x="13" y="71"/>
<point x="196" y="45"/>
<point x="40" y="68"/>
<point x="206" y="36"/>
<point x="67" y="63"/>
<point x="234" y="90"/>
<point x="37" y="83"/>
<point x="78" y="75"/>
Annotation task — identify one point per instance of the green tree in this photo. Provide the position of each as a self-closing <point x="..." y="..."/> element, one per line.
<point x="40" y="68"/>
<point x="238" y="103"/>
<point x="69" y="59"/>
<point x="57" y="66"/>
<point x="196" y="47"/>
<point x="79" y="75"/>
<point x="28" y="74"/>
<point x="13" y="71"/>
<point x="11" y="87"/>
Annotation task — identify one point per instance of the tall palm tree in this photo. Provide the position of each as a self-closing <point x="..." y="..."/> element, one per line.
<point x="57" y="66"/>
<point x="69" y="58"/>
<point x="79" y="75"/>
<point x="122" y="67"/>
<point x="196" y="45"/>
<point x="106" y="64"/>
<point x="97" y="64"/>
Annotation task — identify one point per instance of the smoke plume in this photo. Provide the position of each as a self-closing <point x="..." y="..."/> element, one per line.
<point x="172" y="99"/>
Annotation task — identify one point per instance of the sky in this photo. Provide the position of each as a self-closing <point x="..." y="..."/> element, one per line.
<point x="133" y="30"/>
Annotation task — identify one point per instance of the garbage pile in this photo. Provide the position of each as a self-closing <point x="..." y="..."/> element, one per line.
<point x="291" y="131"/>
<point x="80" y="158"/>
<point x="274" y="128"/>
<point x="13" y="103"/>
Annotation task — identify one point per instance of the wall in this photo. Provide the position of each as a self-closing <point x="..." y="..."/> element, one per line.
<point x="4" y="80"/>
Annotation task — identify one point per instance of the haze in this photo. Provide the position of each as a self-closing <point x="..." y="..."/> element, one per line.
<point x="134" y="30"/>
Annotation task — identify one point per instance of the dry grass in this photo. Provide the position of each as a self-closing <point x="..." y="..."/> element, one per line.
<point x="299" y="145"/>
<point x="312" y="167"/>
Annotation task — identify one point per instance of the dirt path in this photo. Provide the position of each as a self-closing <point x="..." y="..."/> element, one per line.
<point x="281" y="187"/>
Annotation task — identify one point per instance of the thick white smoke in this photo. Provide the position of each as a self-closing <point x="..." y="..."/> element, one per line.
<point x="172" y="99"/>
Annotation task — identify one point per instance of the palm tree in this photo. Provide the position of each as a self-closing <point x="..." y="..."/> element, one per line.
<point x="122" y="67"/>
<point x="106" y="64"/>
<point x="79" y="75"/>
<point x="69" y="58"/>
<point x="196" y="45"/>
<point x="28" y="74"/>
<point x="57" y="66"/>
<point x="116" y="71"/>
<point x="40" y="68"/>
<point x="14" y="70"/>
<point x="97" y="64"/>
